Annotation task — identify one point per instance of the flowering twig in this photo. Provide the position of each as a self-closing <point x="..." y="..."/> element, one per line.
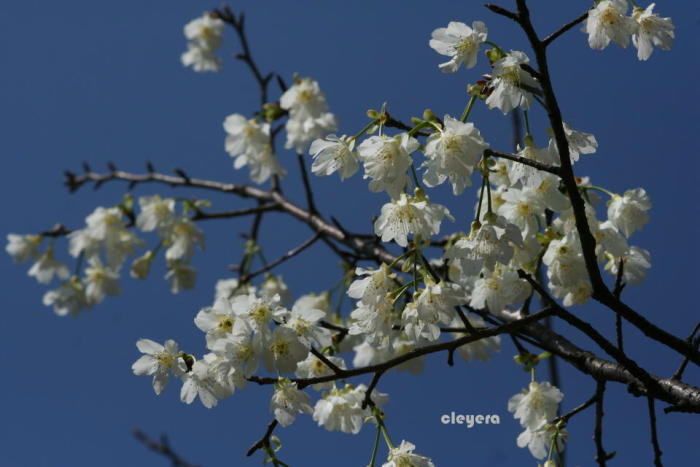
<point x="588" y="244"/>
<point x="418" y="352"/>
<point x="684" y="397"/>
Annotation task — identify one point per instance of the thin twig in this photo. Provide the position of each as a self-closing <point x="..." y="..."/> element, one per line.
<point x="368" y="393"/>
<point x="552" y="37"/>
<point x="567" y="416"/>
<point x="601" y="456"/>
<point x="288" y="255"/>
<point x="161" y="447"/>
<point x="337" y="370"/>
<point x="307" y="185"/>
<point x="502" y="11"/>
<point x="235" y="213"/>
<point x="692" y="341"/>
<point x="523" y="160"/>
<point x="654" y="435"/>
<point x="238" y="25"/>
<point x="265" y="440"/>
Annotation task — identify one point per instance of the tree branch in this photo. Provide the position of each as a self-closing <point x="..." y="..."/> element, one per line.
<point x="428" y="349"/>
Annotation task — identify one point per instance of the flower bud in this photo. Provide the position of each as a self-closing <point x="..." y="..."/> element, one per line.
<point x="494" y="55"/>
<point x="142" y="266"/>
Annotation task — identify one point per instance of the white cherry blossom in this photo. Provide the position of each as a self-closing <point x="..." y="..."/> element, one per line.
<point x="403" y="456"/>
<point x="652" y="31"/>
<point x="341" y="409"/>
<point x="540" y="401"/>
<point x="386" y="160"/>
<point x="607" y="22"/>
<point x="452" y="154"/>
<point x="219" y="321"/>
<point x="410" y="215"/>
<point x="202" y="381"/>
<point x="313" y="367"/>
<point x="284" y="350"/>
<point x="68" y="299"/>
<point x="460" y="42"/>
<point x="100" y="281"/>
<point x="288" y="401"/>
<point x="156" y="214"/>
<point x="374" y="286"/>
<point x="181" y="276"/>
<point x="184" y="237"/>
<point x="47" y="267"/>
<point x="309" y="118"/>
<point x="497" y="289"/>
<point x="23" y="247"/>
<point x="512" y="86"/>
<point x="334" y="154"/>
<point x="629" y="211"/>
<point x="160" y="361"/>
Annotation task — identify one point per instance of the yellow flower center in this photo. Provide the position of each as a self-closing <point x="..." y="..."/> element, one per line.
<point x="465" y="46"/>
<point x="609" y="16"/>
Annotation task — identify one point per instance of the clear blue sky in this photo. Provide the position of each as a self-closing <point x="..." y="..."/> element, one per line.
<point x="102" y="82"/>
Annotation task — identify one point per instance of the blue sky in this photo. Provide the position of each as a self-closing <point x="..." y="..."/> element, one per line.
<point x="103" y="82"/>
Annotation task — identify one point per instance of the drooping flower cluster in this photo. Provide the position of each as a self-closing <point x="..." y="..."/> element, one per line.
<point x="536" y="408"/>
<point x="103" y="246"/>
<point x="402" y="456"/>
<point x="204" y="35"/>
<point x="607" y="22"/>
<point x="309" y="118"/>
<point x="248" y="142"/>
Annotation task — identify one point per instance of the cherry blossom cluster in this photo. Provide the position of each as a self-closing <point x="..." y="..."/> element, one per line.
<point x="204" y="35"/>
<point x="105" y="244"/>
<point x="249" y="327"/>
<point x="536" y="408"/>
<point x="607" y="22"/>
<point x="438" y="287"/>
